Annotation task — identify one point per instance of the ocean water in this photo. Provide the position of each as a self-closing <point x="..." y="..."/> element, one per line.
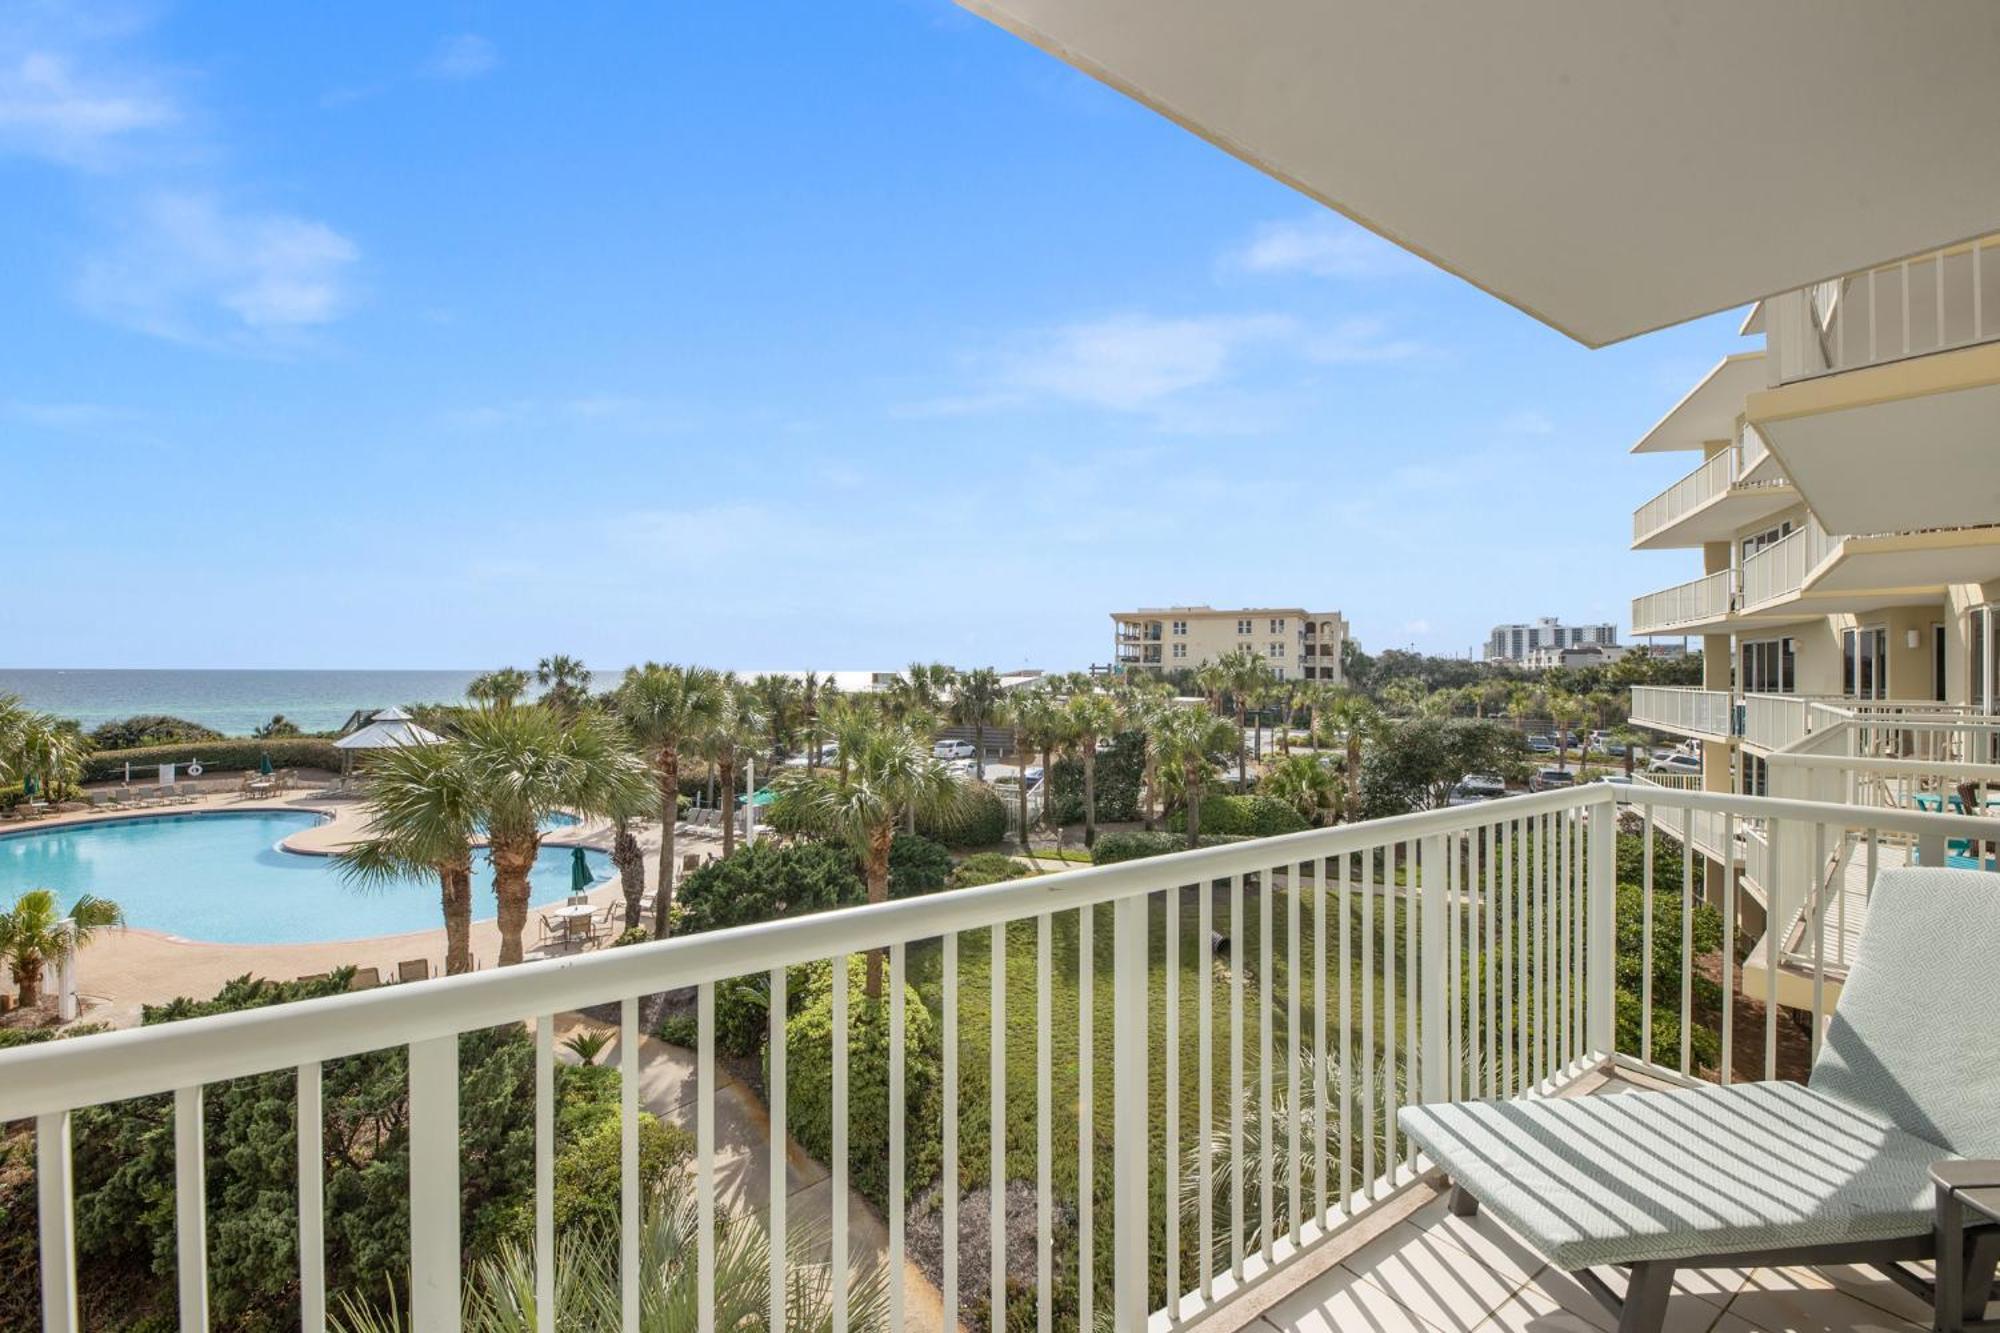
<point x="233" y="702"/>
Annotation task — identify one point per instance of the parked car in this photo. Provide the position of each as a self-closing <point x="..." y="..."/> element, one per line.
<point x="1542" y="744"/>
<point x="1475" y="787"/>
<point x="1676" y="763"/>
<point x="952" y="750"/>
<point x="963" y="768"/>
<point x="1548" y="779"/>
<point x="1033" y="773"/>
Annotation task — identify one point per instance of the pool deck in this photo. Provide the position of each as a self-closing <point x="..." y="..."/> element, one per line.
<point x="122" y="971"/>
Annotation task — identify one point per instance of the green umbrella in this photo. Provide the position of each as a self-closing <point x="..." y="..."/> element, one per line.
<point x="29" y="786"/>
<point x="579" y="871"/>
<point x="264" y="764"/>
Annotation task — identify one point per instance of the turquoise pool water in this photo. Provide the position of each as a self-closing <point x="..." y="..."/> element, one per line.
<point x="221" y="877"/>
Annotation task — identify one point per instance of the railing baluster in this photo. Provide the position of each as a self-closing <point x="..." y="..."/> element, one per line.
<point x="837" y="1283"/>
<point x="1413" y="1068"/>
<point x="1818" y="937"/>
<point x="1728" y="946"/>
<point x="1437" y="1000"/>
<point x="897" y="1129"/>
<point x="996" y="1122"/>
<point x="312" y="1201"/>
<point x="1131" y="999"/>
<point x="434" y="1197"/>
<point x="1773" y="952"/>
<point x="780" y="1145"/>
<point x="1340" y="907"/>
<point x="1267" y="1217"/>
<point x="1236" y="1162"/>
<point x="1551" y="951"/>
<point x="1204" y="1022"/>
<point x="191" y="1209"/>
<point x="1295" y="873"/>
<point x="1086" y="1124"/>
<point x="1392" y="1039"/>
<point x="55" y="1216"/>
<point x="948" y="1181"/>
<point x="1646" y="938"/>
<point x="1044" y="1130"/>
<point x="1452" y="1049"/>
<point x="1601" y="975"/>
<point x="1321" y="871"/>
<point x="545" y="1173"/>
<point x="704" y="1148"/>
<point x="1170" y="961"/>
<point x="1367" y="866"/>
<point x="1687" y="957"/>
<point x="628" y="1158"/>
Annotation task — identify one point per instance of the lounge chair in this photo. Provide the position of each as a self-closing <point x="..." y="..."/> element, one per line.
<point x="1832" y="1171"/>
<point x="414" y="969"/>
<point x="365" y="978"/>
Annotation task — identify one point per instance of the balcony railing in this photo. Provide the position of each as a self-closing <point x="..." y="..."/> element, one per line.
<point x="1685" y="496"/>
<point x="1773" y="721"/>
<point x="1693" y="603"/>
<point x="1689" y="712"/>
<point x="1459" y="953"/>
<point x="1930" y="303"/>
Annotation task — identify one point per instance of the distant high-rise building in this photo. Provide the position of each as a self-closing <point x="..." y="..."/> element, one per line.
<point x="1514" y="643"/>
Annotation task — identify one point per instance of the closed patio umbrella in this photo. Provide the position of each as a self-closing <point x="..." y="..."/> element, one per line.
<point x="579" y="871"/>
<point x="264" y="764"/>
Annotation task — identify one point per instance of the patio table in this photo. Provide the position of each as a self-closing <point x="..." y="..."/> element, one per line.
<point x="1967" y="1192"/>
<point x="571" y="915"/>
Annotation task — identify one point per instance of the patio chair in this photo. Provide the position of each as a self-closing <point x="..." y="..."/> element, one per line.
<point x="1832" y="1171"/>
<point x="414" y="969"/>
<point x="365" y="978"/>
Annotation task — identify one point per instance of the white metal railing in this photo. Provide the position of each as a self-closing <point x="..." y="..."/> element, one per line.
<point x="1674" y="781"/>
<point x="1929" y="303"/>
<point x="1691" y="712"/>
<point x="1459" y="953"/>
<point x="1775" y="571"/>
<point x="1773" y="721"/>
<point x="1751" y="445"/>
<point x="1691" y="603"/>
<point x="1685" y="496"/>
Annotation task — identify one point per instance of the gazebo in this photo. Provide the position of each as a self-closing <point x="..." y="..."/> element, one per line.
<point x="390" y="729"/>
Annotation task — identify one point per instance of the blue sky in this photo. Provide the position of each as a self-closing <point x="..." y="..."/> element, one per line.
<point x="771" y="336"/>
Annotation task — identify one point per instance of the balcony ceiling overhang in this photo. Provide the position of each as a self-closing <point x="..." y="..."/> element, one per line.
<point x="1892" y="448"/>
<point x="1607" y="168"/>
<point x="1708" y="411"/>
<point x="1909" y="566"/>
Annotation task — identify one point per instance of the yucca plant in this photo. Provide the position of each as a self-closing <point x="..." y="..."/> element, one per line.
<point x="587" y="1044"/>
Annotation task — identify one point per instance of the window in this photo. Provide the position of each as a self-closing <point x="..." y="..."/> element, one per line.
<point x="1769" y="537"/>
<point x="1937" y="663"/>
<point x="1277" y="624"/>
<point x="1180" y="627"/>
<point x="1768" y="666"/>
<point x="1754" y="776"/>
<point x="1864" y="663"/>
<point x="1274" y="650"/>
<point x="1243" y="627"/>
<point x="1180" y="651"/>
<point x="1281" y="673"/>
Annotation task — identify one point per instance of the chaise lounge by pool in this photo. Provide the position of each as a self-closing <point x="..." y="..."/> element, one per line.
<point x="222" y="878"/>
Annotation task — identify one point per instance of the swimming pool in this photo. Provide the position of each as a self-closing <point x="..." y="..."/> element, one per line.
<point x="221" y="877"/>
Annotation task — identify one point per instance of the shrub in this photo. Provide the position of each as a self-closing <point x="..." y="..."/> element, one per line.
<point x="632" y="935"/>
<point x="1136" y="844"/>
<point x="1243" y="816"/>
<point x="1704" y="1043"/>
<point x="215" y="756"/>
<point x="150" y="729"/>
<point x="588" y="1169"/>
<point x="981" y="824"/>
<point x="764" y="881"/>
<point x="809" y="1103"/>
<point x="987" y="868"/>
<point x="1121" y="766"/>
<point x="917" y="866"/>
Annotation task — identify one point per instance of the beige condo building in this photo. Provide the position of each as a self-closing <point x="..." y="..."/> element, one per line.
<point x="1295" y="643"/>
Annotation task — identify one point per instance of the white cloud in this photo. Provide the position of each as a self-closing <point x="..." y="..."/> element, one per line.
<point x="1359" y="340"/>
<point x="464" y="55"/>
<point x="1527" y="422"/>
<point x="49" y="109"/>
<point x="1133" y="362"/>
<point x="190" y="268"/>
<point x="1322" y="246"/>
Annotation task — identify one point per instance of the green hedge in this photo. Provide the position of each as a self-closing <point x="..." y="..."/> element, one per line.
<point x="1121" y="768"/>
<point x="764" y="881"/>
<point x="982" y="824"/>
<point x="1137" y="844"/>
<point x="809" y="1097"/>
<point x="215" y="756"/>
<point x="988" y="868"/>
<point x="1246" y="816"/>
<point x="917" y="866"/>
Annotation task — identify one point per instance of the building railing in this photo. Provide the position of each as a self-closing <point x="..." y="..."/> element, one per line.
<point x="1692" y="603"/>
<point x="1690" y="712"/>
<point x="1773" y="721"/>
<point x="1685" y="496"/>
<point x="1929" y="303"/>
<point x="1459" y="953"/>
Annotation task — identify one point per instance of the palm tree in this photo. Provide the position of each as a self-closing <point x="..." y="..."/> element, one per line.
<point x="1092" y="717"/>
<point x="32" y="934"/>
<point x="816" y="693"/>
<point x="565" y="683"/>
<point x="1024" y="711"/>
<point x="731" y="737"/>
<point x="918" y="695"/>
<point x="422" y="815"/>
<point x="890" y="771"/>
<point x="1212" y="679"/>
<point x="1189" y="739"/>
<point x="1522" y="700"/>
<point x="665" y="709"/>
<point x="973" y="704"/>
<point x="49" y="749"/>
<point x="779" y="701"/>
<point x="498" y="689"/>
<point x="1566" y="711"/>
<point x="1304" y="782"/>
<point x="527" y="765"/>
<point x="1144" y="706"/>
<point x="1246" y="674"/>
<point x="1354" y="717"/>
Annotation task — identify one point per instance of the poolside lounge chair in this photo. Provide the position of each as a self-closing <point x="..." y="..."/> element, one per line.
<point x="1832" y="1171"/>
<point x="365" y="978"/>
<point x="414" y="969"/>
